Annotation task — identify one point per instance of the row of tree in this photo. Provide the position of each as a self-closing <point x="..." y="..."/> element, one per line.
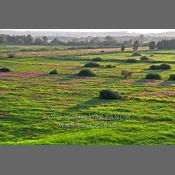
<point x="160" y="45"/>
<point x="166" y="44"/>
<point x="22" y="39"/>
<point x="108" y="41"/>
<point x="135" y="46"/>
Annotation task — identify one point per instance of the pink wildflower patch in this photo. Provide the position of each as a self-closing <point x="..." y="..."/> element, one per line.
<point x="165" y="84"/>
<point x="158" y="93"/>
<point x="5" y="74"/>
<point x="22" y="75"/>
<point x="127" y="81"/>
<point x="155" y="83"/>
<point x="151" y="83"/>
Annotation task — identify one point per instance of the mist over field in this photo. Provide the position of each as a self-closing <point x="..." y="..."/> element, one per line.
<point x="90" y="32"/>
<point x="166" y="33"/>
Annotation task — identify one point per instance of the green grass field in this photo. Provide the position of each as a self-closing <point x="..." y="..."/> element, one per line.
<point x="38" y="108"/>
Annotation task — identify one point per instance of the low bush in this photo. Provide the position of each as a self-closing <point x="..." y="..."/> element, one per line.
<point x="171" y="77"/>
<point x="11" y="55"/>
<point x="144" y="58"/>
<point x="153" y="67"/>
<point x="126" y="73"/>
<point x="4" y="69"/>
<point x="152" y="61"/>
<point x="165" y="66"/>
<point x="135" y="53"/>
<point x="160" y="67"/>
<point x="53" y="72"/>
<point x="97" y="59"/>
<point x="92" y="64"/>
<point x="109" y="66"/>
<point x="131" y="60"/>
<point x="153" y="76"/>
<point x="86" y="73"/>
<point x="109" y="94"/>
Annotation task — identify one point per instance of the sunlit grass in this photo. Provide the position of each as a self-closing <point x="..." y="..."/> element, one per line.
<point x="44" y="109"/>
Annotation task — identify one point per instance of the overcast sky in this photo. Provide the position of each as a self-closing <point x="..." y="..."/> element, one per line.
<point x="142" y="31"/>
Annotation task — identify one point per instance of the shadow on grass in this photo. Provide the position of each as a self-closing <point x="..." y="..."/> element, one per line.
<point x="67" y="77"/>
<point x="67" y="58"/>
<point x="155" y="71"/>
<point x="87" y="104"/>
<point x="154" y="82"/>
<point x="145" y="81"/>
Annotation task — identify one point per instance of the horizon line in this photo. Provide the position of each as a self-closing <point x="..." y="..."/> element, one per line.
<point x="140" y="31"/>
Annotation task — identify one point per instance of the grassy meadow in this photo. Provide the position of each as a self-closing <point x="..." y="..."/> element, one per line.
<point x="39" y="108"/>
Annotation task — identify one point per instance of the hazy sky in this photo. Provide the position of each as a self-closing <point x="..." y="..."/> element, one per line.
<point x="144" y="31"/>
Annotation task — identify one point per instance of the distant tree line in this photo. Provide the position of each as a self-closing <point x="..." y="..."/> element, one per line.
<point x="162" y="45"/>
<point x="166" y="44"/>
<point x="107" y="41"/>
<point x="22" y="39"/>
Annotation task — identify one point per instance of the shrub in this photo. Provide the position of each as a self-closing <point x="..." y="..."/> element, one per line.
<point x="131" y="60"/>
<point x="109" y="66"/>
<point x="153" y="67"/>
<point x="135" y="53"/>
<point x="86" y="73"/>
<point x="152" y="61"/>
<point x="53" y="72"/>
<point x="153" y="76"/>
<point x="4" y="69"/>
<point x="109" y="94"/>
<point x="160" y="67"/>
<point x="171" y="77"/>
<point x="11" y="55"/>
<point x="97" y="59"/>
<point x="92" y="64"/>
<point x="144" y="58"/>
<point x="126" y="73"/>
<point x="165" y="66"/>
